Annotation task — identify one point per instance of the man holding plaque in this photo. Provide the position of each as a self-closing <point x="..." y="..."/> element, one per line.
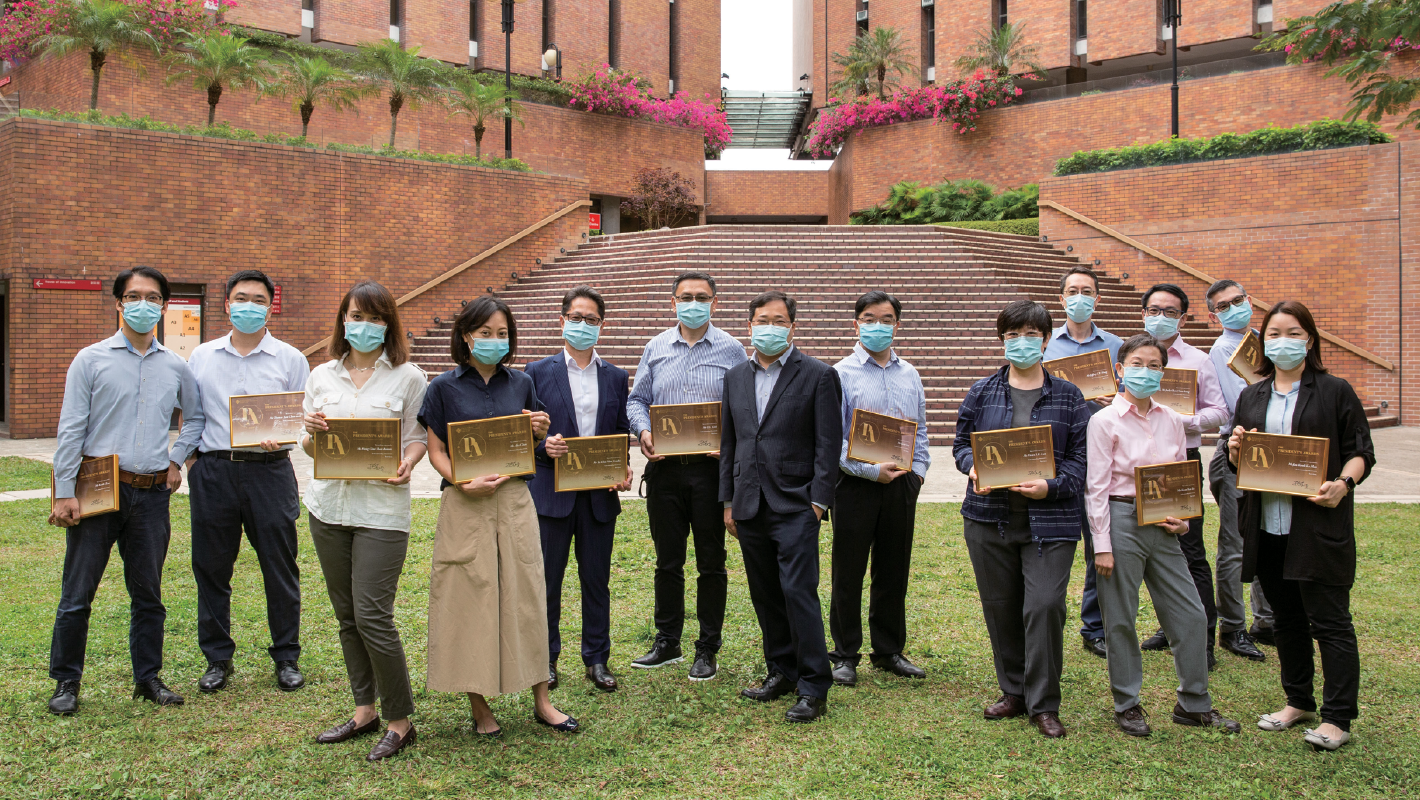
<point x="584" y="396"/>
<point x="119" y="398"/>
<point x="684" y="365"/>
<point x="238" y="486"/>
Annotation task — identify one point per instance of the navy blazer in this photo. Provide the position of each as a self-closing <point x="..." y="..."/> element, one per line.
<point x="550" y="382"/>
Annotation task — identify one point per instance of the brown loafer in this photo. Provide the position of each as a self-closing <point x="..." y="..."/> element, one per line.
<point x="1049" y="724"/>
<point x="1008" y="706"/>
<point x="346" y="731"/>
<point x="1131" y="721"/>
<point x="1205" y="719"/>
<point x="390" y="744"/>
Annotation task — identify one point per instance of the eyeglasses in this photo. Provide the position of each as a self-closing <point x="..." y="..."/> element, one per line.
<point x="595" y="322"/>
<point x="1154" y="311"/>
<point x="1014" y="335"/>
<point x="1087" y="291"/>
<point x="868" y="319"/>
<point x="1237" y="301"/>
<point x="133" y="297"/>
<point x="694" y="298"/>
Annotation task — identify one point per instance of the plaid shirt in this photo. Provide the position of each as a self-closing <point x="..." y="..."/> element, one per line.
<point x="987" y="407"/>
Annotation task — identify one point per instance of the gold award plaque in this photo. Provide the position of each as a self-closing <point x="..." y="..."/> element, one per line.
<point x="1092" y="372"/>
<point x="1012" y="456"/>
<point x="95" y="487"/>
<point x="1269" y="462"/>
<point x="255" y="418"/>
<point x="1168" y="490"/>
<point x="592" y="462"/>
<point x="358" y="449"/>
<point x="1179" y="390"/>
<point x="685" y="429"/>
<point x="1247" y="359"/>
<point x="493" y="446"/>
<point x="877" y="438"/>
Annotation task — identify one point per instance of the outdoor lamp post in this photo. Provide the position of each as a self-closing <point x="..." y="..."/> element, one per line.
<point x="552" y="59"/>
<point x="508" y="76"/>
<point x="1173" y="15"/>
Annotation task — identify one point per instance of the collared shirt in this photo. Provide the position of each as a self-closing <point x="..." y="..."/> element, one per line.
<point x="461" y="394"/>
<point x="1232" y="385"/>
<point x="894" y="390"/>
<point x="1210" y="410"/>
<point x="390" y="391"/>
<point x="221" y="372"/>
<point x="118" y="401"/>
<point x="585" y="393"/>
<point x="1276" y="507"/>
<point x="1121" y="439"/>
<point x="1063" y="345"/>
<point x="672" y="371"/>
<point x="766" y="377"/>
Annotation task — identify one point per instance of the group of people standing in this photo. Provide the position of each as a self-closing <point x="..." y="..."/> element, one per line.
<point x="503" y="544"/>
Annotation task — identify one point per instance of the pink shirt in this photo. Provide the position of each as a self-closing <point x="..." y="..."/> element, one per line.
<point x="1120" y="439"/>
<point x="1211" y="408"/>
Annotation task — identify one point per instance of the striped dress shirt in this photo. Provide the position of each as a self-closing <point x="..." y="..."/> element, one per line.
<point x="672" y="372"/>
<point x="894" y="390"/>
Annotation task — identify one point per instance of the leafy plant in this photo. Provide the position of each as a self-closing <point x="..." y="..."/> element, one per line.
<point x="1002" y="50"/>
<point x="480" y="102"/>
<point x="101" y="27"/>
<point x="1022" y="227"/>
<point x="867" y="65"/>
<point x="911" y="203"/>
<point x="621" y="93"/>
<point x="310" y="81"/>
<point x="660" y="198"/>
<point x="216" y="62"/>
<point x="407" y="77"/>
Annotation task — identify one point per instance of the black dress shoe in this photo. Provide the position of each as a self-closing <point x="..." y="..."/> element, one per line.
<point x="568" y="725"/>
<point x="1262" y="635"/>
<point x="288" y="676"/>
<point x="155" y="691"/>
<point x="65" y="700"/>
<point x="898" y="666"/>
<point x="553" y="678"/>
<point x="807" y="709"/>
<point x="845" y="673"/>
<point x="601" y="677"/>
<point x="1205" y="719"/>
<point x="346" y="731"/>
<point x="1008" y="706"/>
<point x="1096" y="647"/>
<point x="1156" y="642"/>
<point x="1131" y="721"/>
<point x="704" y="667"/>
<point x="774" y="687"/>
<point x="1240" y="644"/>
<point x="390" y="744"/>
<point x="660" y="654"/>
<point x="215" y="678"/>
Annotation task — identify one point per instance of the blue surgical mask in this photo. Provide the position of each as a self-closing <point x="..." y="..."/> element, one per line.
<point x="1236" y="318"/>
<point x="1023" y="351"/>
<point x="1161" y="327"/>
<point x="489" y="351"/>
<point x="580" y="335"/>
<point x="771" y="340"/>
<point x="875" y="336"/>
<point x="1142" y="381"/>
<point x="1079" y="307"/>
<point x="142" y="315"/>
<point x="693" y="314"/>
<point x="250" y="317"/>
<point x="1285" y="353"/>
<point x="364" y="336"/>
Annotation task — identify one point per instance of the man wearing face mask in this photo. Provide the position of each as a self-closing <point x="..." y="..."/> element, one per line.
<point x="251" y="488"/>
<point x="119" y="397"/>
<point x="781" y="434"/>
<point x="685" y="364"/>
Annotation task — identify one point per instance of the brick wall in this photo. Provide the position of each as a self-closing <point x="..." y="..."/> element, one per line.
<point x="1216" y="20"/>
<point x="699" y="48"/>
<point x="644" y="41"/>
<point x="1407" y="298"/>
<point x="1283" y="10"/>
<point x="580" y="29"/>
<point x="281" y="16"/>
<point x="906" y="19"/>
<point x="762" y="193"/>
<point x="1121" y="28"/>
<point x="439" y="28"/>
<point x="1049" y="27"/>
<point x="527" y="37"/>
<point x="352" y="21"/>
<point x="958" y="24"/>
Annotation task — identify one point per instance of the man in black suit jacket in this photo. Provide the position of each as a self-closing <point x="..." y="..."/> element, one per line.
<point x="585" y="396"/>
<point x="780" y="437"/>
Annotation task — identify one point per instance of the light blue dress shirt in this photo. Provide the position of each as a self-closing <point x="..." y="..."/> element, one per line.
<point x="221" y="372"/>
<point x="765" y="378"/>
<point x="1222" y="350"/>
<point x="673" y="372"/>
<point x="894" y="390"/>
<point x="1061" y="344"/>
<point x="1277" y="508"/>
<point x="120" y="402"/>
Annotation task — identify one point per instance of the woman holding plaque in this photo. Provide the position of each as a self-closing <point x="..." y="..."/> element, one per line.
<point x="1303" y="549"/>
<point x="487" y="594"/>
<point x="361" y="527"/>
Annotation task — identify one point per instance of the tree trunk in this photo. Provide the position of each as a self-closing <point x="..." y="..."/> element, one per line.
<point x="96" y="63"/>
<point x="478" y="131"/>
<point x="214" y="95"/>
<point x="307" y="109"/>
<point x="882" y="83"/>
<point x="396" y="103"/>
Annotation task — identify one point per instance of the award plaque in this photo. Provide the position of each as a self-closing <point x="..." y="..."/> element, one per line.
<point x="1269" y="462"/>
<point x="876" y="438"/>
<point x="255" y="418"/>
<point x="592" y="462"/>
<point x="1247" y="359"/>
<point x="358" y="449"/>
<point x="1179" y="390"/>
<point x="1012" y="456"/>
<point x="1168" y="490"/>
<point x="95" y="487"/>
<point x="493" y="446"/>
<point x="687" y="429"/>
<point x="1092" y="372"/>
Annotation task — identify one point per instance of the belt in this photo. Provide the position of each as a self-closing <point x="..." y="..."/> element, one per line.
<point x="151" y="480"/>
<point x="1114" y="498"/>
<point x="261" y="457"/>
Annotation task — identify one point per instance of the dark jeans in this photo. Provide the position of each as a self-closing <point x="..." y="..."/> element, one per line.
<point x="871" y="518"/>
<point x="1196" y="552"/>
<point x="141" y="529"/>
<point x="593" y="542"/>
<point x="263" y="499"/>
<point x="1091" y="621"/>
<point x="1301" y="611"/>
<point x="681" y="499"/>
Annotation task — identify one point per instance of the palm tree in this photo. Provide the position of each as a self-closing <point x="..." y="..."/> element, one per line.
<point x="480" y="101"/>
<point x="1004" y="51"/>
<point x="408" y="78"/>
<point x="216" y="62"/>
<point x="100" y="27"/>
<point x="309" y="81"/>
<point x="869" y="60"/>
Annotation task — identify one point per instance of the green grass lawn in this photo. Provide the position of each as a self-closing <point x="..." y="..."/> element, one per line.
<point x="18" y="474"/>
<point x="661" y="736"/>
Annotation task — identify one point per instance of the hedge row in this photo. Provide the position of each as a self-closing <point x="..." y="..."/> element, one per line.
<point x="1024" y="227"/>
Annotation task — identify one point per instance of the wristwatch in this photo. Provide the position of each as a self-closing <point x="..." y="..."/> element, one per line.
<point x="1350" y="483"/>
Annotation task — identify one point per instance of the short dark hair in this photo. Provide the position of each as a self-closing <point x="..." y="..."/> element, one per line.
<point x="1080" y="271"/>
<point x="120" y="284"/>
<point x="1219" y="286"/>
<point x="1024" y="314"/>
<point x="1304" y="316"/>
<point x="1139" y="340"/>
<point x="693" y="276"/>
<point x="251" y="275"/>
<point x="1168" y="288"/>
<point x="372" y="298"/>
<point x="765" y="298"/>
<point x="875" y="297"/>
<point x="473" y="316"/>
<point x="582" y="291"/>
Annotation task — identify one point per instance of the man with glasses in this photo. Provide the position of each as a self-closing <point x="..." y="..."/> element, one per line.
<point x="685" y="364"/>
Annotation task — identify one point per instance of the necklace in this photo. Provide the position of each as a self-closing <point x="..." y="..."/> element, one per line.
<point x="358" y="369"/>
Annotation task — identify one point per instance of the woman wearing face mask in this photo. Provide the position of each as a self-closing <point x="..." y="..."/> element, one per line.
<point x="1303" y="549"/>
<point x="361" y="528"/>
<point x="1022" y="539"/>
<point x="487" y="593"/>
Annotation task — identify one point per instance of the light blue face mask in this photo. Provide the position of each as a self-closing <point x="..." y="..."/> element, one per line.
<point x="142" y="315"/>
<point x="364" y="336"/>
<point x="1236" y="318"/>
<point x="580" y="335"/>
<point x="875" y="336"/>
<point x="249" y="317"/>
<point x="1285" y="353"/>
<point x="771" y="340"/>
<point x="489" y="351"/>
<point x="1142" y="381"/>
<point x="1161" y="327"/>
<point x="693" y="314"/>
<point x="1079" y="307"/>
<point x="1023" y="351"/>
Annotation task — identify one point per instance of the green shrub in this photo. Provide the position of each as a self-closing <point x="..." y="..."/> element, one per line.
<point x="1024" y="227"/>
<point x="911" y="203"/>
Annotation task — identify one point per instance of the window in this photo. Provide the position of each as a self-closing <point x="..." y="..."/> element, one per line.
<point x="613" y="38"/>
<point x="860" y="16"/>
<point x="396" y="14"/>
<point x="547" y="17"/>
<point x="929" y="38"/>
<point x="675" y="40"/>
<point x="473" y="20"/>
<point x="1001" y="20"/>
<point x="1081" y="29"/>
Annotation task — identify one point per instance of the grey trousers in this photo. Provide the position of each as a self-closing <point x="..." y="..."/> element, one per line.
<point x="1148" y="555"/>
<point x="1022" y="586"/>
<point x="362" y="568"/>
<point x="1232" y="616"/>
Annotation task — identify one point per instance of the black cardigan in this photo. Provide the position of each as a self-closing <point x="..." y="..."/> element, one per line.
<point x="1322" y="543"/>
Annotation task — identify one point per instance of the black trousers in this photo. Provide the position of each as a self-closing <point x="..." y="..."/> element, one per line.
<point x="141" y="529"/>
<point x="682" y="497"/>
<point x="1197" y="554"/>
<point x="593" y="542"/>
<point x="262" y="499"/>
<point x="877" y="519"/>
<point x="1306" y="610"/>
